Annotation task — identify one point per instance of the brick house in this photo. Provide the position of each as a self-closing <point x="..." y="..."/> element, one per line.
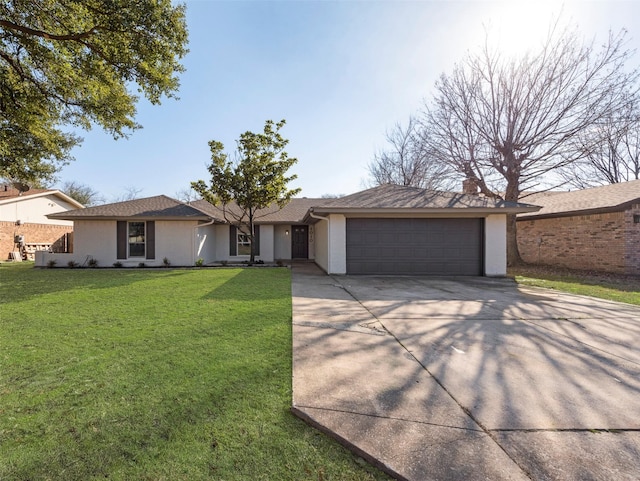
<point x="592" y="229"/>
<point x="24" y="225"/>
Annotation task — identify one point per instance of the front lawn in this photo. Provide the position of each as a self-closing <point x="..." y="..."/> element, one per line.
<point x="605" y="286"/>
<point x="159" y="374"/>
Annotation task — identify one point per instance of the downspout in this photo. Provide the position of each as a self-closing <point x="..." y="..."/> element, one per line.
<point x="193" y="240"/>
<point x="319" y="217"/>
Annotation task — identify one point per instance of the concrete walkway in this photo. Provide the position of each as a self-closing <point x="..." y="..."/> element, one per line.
<point x="468" y="378"/>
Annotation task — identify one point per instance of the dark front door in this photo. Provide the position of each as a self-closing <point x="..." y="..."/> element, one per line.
<point x="300" y="242"/>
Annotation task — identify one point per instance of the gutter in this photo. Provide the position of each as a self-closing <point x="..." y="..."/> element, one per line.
<point x="431" y="211"/>
<point x="193" y="239"/>
<point x="316" y="216"/>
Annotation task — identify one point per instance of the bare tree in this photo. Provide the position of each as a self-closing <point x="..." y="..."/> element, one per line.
<point x="131" y="192"/>
<point x="408" y="162"/>
<point x="84" y="194"/>
<point x="507" y="122"/>
<point x="611" y="150"/>
<point x="187" y="195"/>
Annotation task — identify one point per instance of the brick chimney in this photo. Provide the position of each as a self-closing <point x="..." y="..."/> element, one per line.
<point x="470" y="186"/>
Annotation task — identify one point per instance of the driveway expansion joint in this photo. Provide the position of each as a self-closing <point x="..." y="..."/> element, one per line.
<point x="536" y="378"/>
<point x="567" y="430"/>
<point x="365" y="328"/>
<point x="443" y="387"/>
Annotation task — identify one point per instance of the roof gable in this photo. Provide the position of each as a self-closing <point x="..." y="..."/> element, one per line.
<point x="10" y="194"/>
<point x="608" y="198"/>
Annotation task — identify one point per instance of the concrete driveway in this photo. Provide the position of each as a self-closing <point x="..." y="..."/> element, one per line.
<point x="468" y="378"/>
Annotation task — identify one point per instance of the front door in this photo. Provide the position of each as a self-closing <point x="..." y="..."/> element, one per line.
<point x="300" y="242"/>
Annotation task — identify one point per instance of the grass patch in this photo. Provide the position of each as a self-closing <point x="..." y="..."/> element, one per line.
<point x="604" y="286"/>
<point x="154" y="375"/>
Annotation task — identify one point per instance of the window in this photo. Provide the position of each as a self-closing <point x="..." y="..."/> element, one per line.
<point x="136" y="239"/>
<point x="240" y="244"/>
<point x="244" y="245"/>
<point x="636" y="218"/>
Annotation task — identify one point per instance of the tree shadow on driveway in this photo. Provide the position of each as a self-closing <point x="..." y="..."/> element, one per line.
<point x="552" y="379"/>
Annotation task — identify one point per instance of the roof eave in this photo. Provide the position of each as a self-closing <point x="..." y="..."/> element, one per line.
<point x="572" y="213"/>
<point x="125" y="217"/>
<point x="476" y="211"/>
<point x="57" y="193"/>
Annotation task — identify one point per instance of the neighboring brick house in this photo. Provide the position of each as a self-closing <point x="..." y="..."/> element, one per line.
<point x="24" y="226"/>
<point x="593" y="229"/>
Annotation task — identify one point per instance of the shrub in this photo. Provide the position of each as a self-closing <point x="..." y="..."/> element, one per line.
<point x="200" y="262"/>
<point x="165" y="262"/>
<point x="117" y="264"/>
<point x="92" y="262"/>
<point x="142" y="264"/>
<point x="52" y="263"/>
<point x="72" y="264"/>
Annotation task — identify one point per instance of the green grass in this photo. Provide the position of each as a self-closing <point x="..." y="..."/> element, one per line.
<point x="621" y="289"/>
<point x="154" y="375"/>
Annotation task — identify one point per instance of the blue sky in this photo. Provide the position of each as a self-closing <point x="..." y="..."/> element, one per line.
<point x="340" y="72"/>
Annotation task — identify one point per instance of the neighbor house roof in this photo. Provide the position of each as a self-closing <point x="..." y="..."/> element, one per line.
<point x="10" y="194"/>
<point x="608" y="198"/>
<point x="158" y="207"/>
<point x="390" y="199"/>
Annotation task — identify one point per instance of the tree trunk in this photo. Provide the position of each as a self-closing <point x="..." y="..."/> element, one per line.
<point x="513" y="253"/>
<point x="512" y="194"/>
<point x="252" y="237"/>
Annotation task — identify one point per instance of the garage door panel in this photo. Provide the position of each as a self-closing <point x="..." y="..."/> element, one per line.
<point x="415" y="246"/>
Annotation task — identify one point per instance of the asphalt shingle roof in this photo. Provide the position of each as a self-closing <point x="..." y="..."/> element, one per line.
<point x="390" y="196"/>
<point x="385" y="197"/>
<point x="608" y="198"/>
<point x="158" y="207"/>
<point x="8" y="192"/>
<point x="291" y="213"/>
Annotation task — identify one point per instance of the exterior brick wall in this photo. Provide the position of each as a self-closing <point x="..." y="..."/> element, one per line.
<point x="632" y="240"/>
<point x="40" y="233"/>
<point x="608" y="242"/>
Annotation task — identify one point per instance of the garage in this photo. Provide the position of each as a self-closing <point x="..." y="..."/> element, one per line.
<point x="415" y="246"/>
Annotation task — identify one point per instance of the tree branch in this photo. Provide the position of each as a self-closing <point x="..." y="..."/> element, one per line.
<point x="49" y="36"/>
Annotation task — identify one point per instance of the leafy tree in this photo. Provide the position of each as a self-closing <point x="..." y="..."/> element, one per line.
<point x="84" y="194"/>
<point x="254" y="181"/>
<point x="507" y="122"/>
<point x="71" y="63"/>
<point x="409" y="162"/>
